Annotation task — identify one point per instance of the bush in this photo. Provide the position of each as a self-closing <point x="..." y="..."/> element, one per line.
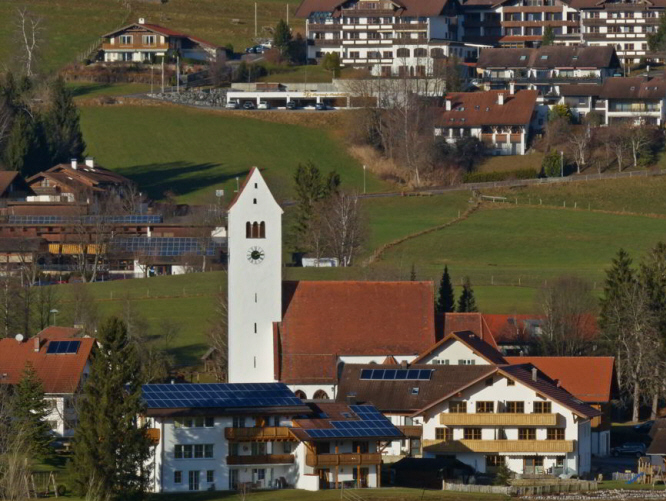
<point x="503" y="475"/>
<point x="552" y="164"/>
<point x="488" y="177"/>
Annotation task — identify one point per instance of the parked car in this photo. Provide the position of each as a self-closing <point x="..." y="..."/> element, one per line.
<point x="291" y="105"/>
<point x="255" y="49"/>
<point x="248" y="105"/>
<point x="320" y="106"/>
<point x="644" y="427"/>
<point x="231" y="105"/>
<point x="263" y="105"/>
<point x="629" y="449"/>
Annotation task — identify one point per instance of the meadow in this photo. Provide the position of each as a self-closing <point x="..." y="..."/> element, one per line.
<point x="192" y="153"/>
<point x="71" y="26"/>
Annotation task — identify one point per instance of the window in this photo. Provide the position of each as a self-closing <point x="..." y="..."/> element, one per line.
<point x="489" y="381"/>
<point x="485" y="407"/>
<point x="542" y="408"/>
<point x="420" y="52"/>
<point x="472" y="434"/>
<point x="402" y="52"/>
<point x="458" y="407"/>
<point x="494" y="461"/>
<point x="210" y="476"/>
<point x="208" y="450"/>
<point x="559" y="462"/>
<point x="260" y="473"/>
<point x="355" y="54"/>
<point x="287" y="447"/>
<point x="555" y="434"/>
<point x="239" y="422"/>
<point x="199" y="422"/>
<point x="320" y="395"/>
<point x="443" y="434"/>
<point x="149" y="40"/>
<point x="177" y="477"/>
<point x="509" y="382"/>
<point x="415" y="391"/>
<point x="515" y="407"/>
<point x="466" y="362"/>
<point x="526" y="434"/>
<point x="233" y="449"/>
<point x="210" y="422"/>
<point x="183" y="452"/>
<point x="387" y="54"/>
<point x="125" y="39"/>
<point x="198" y="451"/>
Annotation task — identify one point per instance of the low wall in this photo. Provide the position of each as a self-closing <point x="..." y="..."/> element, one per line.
<point x="526" y="490"/>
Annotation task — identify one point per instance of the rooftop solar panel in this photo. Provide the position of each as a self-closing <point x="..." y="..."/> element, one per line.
<point x="371" y="423"/>
<point x="63" y="347"/>
<point x="218" y="395"/>
<point x="396" y="374"/>
<point x="118" y="219"/>
<point x="168" y="246"/>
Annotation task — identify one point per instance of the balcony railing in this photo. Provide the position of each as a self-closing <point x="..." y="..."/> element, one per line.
<point x="494" y="446"/>
<point x="411" y="431"/>
<point x="353" y="459"/>
<point x="259" y="434"/>
<point x="265" y="459"/>
<point x="545" y="79"/>
<point x="498" y="419"/>
<point x="135" y="46"/>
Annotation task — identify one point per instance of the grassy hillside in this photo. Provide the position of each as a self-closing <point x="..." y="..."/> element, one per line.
<point x="73" y="25"/>
<point x="193" y="153"/>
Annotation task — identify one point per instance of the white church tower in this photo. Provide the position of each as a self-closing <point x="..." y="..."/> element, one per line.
<point x="254" y="280"/>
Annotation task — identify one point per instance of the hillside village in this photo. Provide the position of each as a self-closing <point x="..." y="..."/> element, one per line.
<point x="388" y="250"/>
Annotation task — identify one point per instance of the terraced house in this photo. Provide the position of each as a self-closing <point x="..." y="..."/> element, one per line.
<point x="391" y="38"/>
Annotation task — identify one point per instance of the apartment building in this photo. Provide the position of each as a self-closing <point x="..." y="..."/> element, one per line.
<point x="224" y="436"/>
<point x="501" y="119"/>
<point x="624" y="25"/>
<point x="546" y="69"/>
<point x="407" y="38"/>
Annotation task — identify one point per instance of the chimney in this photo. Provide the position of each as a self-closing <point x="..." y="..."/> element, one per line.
<point x="74" y="163"/>
<point x="36" y="344"/>
<point x="403" y="364"/>
<point x="534" y="374"/>
<point x="90" y="162"/>
<point x="557" y="383"/>
<point x="351" y="399"/>
<point x="142" y="20"/>
<point x="512" y="88"/>
<point x="448" y="104"/>
<point x="500" y="98"/>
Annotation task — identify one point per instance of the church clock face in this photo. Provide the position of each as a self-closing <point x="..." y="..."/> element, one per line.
<point x="255" y="255"/>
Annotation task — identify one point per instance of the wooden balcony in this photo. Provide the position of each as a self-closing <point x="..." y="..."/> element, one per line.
<point x="496" y="446"/>
<point x="410" y="26"/>
<point x="498" y="419"/>
<point x="154" y="435"/>
<point x="547" y="22"/>
<point x="350" y="459"/>
<point x="265" y="459"/>
<point x="548" y="8"/>
<point x="411" y="431"/>
<point x="135" y="46"/>
<point x="259" y="434"/>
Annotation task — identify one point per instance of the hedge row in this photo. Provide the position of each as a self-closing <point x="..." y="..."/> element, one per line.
<point x="486" y="177"/>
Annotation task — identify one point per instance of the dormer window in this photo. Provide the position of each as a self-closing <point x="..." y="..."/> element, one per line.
<point x="544" y="57"/>
<point x="523" y="58"/>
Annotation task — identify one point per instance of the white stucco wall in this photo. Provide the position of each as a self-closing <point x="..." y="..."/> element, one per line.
<point x="453" y="352"/>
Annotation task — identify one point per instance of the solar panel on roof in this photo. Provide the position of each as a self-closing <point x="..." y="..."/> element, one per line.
<point x="397" y="374"/>
<point x="63" y="347"/>
<point x="161" y="396"/>
<point x="168" y="246"/>
<point x="371" y="423"/>
<point x="119" y="219"/>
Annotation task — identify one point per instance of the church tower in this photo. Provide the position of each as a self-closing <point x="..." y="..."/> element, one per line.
<point x="254" y="280"/>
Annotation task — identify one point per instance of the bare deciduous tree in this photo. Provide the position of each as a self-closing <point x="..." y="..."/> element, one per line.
<point x="29" y="38"/>
<point x="579" y="141"/>
<point x="618" y="142"/>
<point x="343" y="225"/>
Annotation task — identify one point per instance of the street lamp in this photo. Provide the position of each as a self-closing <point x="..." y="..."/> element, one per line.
<point x="54" y="312"/>
<point x="364" y="180"/>
<point x="561" y="164"/>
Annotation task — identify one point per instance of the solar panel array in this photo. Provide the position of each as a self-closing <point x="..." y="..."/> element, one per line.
<point x="397" y="374"/>
<point x="126" y="219"/>
<point x="218" y="395"/>
<point x="167" y="246"/>
<point x="63" y="347"/>
<point x="372" y="423"/>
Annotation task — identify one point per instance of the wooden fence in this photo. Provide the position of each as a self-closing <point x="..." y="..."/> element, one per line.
<point x="526" y="490"/>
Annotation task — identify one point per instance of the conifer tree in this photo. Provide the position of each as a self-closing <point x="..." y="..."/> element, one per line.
<point x="282" y="37"/>
<point x="30" y="411"/>
<point x="618" y="277"/>
<point x="467" y="302"/>
<point x="110" y="449"/>
<point x="446" y="301"/>
<point x="63" y="132"/>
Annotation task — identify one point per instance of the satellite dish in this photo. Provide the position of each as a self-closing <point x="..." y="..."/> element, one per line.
<point x="19" y="338"/>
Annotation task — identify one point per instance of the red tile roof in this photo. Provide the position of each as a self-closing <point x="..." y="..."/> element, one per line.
<point x="476" y="109"/>
<point x="511" y="328"/>
<point x="471" y="340"/>
<point x="325" y="320"/>
<point x="59" y="373"/>
<point x="474" y="322"/>
<point x="589" y="379"/>
<point x="54" y="332"/>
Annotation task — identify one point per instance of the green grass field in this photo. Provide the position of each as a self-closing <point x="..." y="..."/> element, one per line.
<point x="87" y="90"/>
<point x="193" y="153"/>
<point x="71" y="26"/>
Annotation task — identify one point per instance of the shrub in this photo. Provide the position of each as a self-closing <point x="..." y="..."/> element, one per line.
<point x="552" y="164"/>
<point x="487" y="177"/>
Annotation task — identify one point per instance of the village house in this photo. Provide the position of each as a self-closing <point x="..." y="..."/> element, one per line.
<point x="145" y="42"/>
<point x="546" y="69"/>
<point x="223" y="436"/>
<point x="61" y="360"/>
<point x="13" y="186"/>
<point x="501" y="119"/>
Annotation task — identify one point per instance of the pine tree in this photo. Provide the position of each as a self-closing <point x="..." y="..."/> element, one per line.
<point x="618" y="277"/>
<point x="282" y="37"/>
<point x="30" y="412"/>
<point x="467" y="302"/>
<point x="18" y="145"/>
<point x="110" y="450"/>
<point x="446" y="301"/>
<point x="63" y="132"/>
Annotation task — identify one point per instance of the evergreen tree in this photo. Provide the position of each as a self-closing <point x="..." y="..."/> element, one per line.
<point x="446" y="301"/>
<point x="30" y="412"/>
<point x="19" y="144"/>
<point x="551" y="165"/>
<point x="331" y="62"/>
<point x="548" y="37"/>
<point x="467" y="302"/>
<point x="282" y="37"/>
<point x="618" y="277"/>
<point x="63" y="132"/>
<point x="110" y="449"/>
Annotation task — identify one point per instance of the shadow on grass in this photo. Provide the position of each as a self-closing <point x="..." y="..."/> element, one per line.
<point x="84" y="90"/>
<point x="180" y="177"/>
<point x="199" y="496"/>
<point x="189" y="355"/>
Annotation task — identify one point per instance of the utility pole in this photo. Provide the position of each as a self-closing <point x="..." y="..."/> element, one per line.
<point x="152" y="72"/>
<point x="287" y="14"/>
<point x="364" y="192"/>
<point x="255" y="19"/>
<point x="178" y="74"/>
<point x="163" y="73"/>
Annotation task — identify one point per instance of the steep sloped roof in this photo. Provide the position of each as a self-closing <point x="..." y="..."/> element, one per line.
<point x="475" y="343"/>
<point x="473" y="322"/>
<point x="633" y="88"/>
<point x="475" y="109"/>
<point x="551" y="56"/>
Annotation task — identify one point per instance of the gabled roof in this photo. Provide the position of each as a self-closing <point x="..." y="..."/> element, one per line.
<point x="476" y="109"/>
<point x="156" y="28"/>
<point x="398" y="395"/>
<point x="633" y="88"/>
<point x="512" y="328"/>
<point x="53" y="332"/>
<point x="324" y="320"/>
<point x="474" y="322"/>
<point x="601" y="4"/>
<point x="658" y="444"/>
<point x="589" y="379"/>
<point x="242" y="187"/>
<point x="58" y="373"/>
<point x="580" y="90"/>
<point x="472" y="341"/>
<point x="551" y="56"/>
<point x="9" y="178"/>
